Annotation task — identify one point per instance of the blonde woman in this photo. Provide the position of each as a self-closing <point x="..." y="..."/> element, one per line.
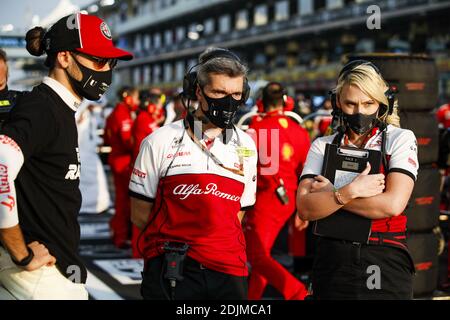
<point x="381" y="268"/>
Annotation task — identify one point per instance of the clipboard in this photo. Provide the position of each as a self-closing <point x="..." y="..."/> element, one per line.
<point x="341" y="165"/>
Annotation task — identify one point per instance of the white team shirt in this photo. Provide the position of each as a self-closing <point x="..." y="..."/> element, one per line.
<point x="158" y="150"/>
<point x="197" y="199"/>
<point x="401" y="151"/>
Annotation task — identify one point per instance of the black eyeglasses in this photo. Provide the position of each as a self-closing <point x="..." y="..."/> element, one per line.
<point x="99" y="62"/>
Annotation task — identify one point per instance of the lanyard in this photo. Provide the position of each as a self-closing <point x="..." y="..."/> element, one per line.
<point x="373" y="132"/>
<point x="194" y="138"/>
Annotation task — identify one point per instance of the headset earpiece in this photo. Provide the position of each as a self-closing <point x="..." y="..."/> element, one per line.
<point x="190" y="85"/>
<point x="289" y="104"/>
<point x="333" y="99"/>
<point x="336" y="113"/>
<point x="390" y="95"/>
<point x="245" y="91"/>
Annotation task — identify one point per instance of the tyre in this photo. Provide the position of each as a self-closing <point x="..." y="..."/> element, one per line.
<point x="423" y="206"/>
<point x="424" y="251"/>
<point x="416" y="78"/>
<point x="425" y="127"/>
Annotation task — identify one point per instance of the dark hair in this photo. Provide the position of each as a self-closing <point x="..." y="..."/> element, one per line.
<point x="126" y="91"/>
<point x="3" y="55"/>
<point x="123" y="92"/>
<point x="35" y="45"/>
<point x="273" y="94"/>
<point x="221" y="65"/>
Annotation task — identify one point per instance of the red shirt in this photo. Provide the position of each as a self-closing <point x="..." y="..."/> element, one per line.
<point x="144" y="125"/>
<point x="118" y="134"/>
<point x="443" y="115"/>
<point x="291" y="151"/>
<point x="288" y="155"/>
<point x="196" y="200"/>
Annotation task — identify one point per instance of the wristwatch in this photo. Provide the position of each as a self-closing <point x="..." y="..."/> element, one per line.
<point x="25" y="261"/>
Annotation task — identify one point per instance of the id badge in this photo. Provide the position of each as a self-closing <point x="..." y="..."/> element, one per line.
<point x="282" y="194"/>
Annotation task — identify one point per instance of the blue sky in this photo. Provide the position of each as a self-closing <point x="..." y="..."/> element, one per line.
<point x="14" y="12"/>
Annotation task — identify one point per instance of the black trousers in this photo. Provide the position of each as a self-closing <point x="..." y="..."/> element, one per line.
<point x="199" y="283"/>
<point x="344" y="270"/>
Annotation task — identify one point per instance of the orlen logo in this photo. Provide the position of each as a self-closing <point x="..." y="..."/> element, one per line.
<point x="423" y="141"/>
<point x="415" y="86"/>
<point x="424" y="201"/>
<point x="139" y="174"/>
<point x="178" y="154"/>
<point x="4" y="184"/>
<point x="186" y="190"/>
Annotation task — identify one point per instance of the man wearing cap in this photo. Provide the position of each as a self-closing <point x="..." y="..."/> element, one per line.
<point x="40" y="165"/>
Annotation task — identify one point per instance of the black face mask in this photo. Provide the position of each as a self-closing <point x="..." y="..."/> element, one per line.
<point x="221" y="111"/>
<point x="93" y="84"/>
<point x="360" y="123"/>
<point x="4" y="92"/>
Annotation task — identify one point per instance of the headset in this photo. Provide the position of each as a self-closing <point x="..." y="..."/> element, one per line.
<point x="288" y="101"/>
<point x="346" y="70"/>
<point x="190" y="81"/>
<point x="265" y="93"/>
<point x="337" y="113"/>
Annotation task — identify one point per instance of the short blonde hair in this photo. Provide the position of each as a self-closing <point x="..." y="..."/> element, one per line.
<point x="369" y="81"/>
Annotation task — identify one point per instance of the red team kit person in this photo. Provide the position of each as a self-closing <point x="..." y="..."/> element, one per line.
<point x="191" y="181"/>
<point x="282" y="146"/>
<point x="119" y="136"/>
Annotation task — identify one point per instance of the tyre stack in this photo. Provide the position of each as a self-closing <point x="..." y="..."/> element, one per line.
<point x="416" y="79"/>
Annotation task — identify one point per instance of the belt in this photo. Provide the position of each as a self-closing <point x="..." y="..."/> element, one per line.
<point x="390" y="239"/>
<point x="396" y="239"/>
<point x="187" y="262"/>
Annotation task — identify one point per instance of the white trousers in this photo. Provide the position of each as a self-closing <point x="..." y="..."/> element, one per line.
<point x="46" y="283"/>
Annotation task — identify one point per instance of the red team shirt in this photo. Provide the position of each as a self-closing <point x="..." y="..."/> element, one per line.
<point x="292" y="148"/>
<point x="401" y="152"/>
<point x="198" y="200"/>
<point x="118" y="134"/>
<point x="144" y="125"/>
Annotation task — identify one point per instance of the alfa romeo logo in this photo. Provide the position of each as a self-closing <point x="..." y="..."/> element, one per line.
<point x="105" y="30"/>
